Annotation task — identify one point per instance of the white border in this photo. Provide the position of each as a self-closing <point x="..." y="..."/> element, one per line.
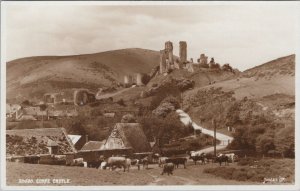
<point x="134" y="3"/>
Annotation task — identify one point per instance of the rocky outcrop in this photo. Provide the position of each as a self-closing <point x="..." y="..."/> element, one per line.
<point x="182" y="84"/>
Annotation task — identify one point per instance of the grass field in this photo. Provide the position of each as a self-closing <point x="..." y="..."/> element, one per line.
<point x="193" y="175"/>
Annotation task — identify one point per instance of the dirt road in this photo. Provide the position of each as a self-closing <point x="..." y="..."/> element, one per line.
<point x="108" y="95"/>
<point x="224" y="139"/>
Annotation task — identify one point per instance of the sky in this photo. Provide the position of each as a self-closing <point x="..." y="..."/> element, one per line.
<point x="242" y="35"/>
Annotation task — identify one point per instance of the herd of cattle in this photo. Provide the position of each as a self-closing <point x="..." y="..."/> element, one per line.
<point x="168" y="164"/>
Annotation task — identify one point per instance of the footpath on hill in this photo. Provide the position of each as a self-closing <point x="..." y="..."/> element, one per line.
<point x="224" y="139"/>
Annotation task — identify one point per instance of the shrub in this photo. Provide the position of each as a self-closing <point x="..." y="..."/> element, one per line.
<point x="251" y="173"/>
<point x="121" y="102"/>
<point x="145" y="78"/>
<point x="246" y="161"/>
<point x="221" y="171"/>
<point x="128" y="118"/>
<point x="96" y="112"/>
<point x="257" y="178"/>
<point x="239" y="175"/>
<point x="173" y="100"/>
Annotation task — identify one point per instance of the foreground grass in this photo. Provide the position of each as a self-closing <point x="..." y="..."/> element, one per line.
<point x="258" y="170"/>
<point x="80" y="176"/>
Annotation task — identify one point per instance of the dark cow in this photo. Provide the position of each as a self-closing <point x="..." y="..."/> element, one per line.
<point x="200" y="157"/>
<point x="222" y="158"/>
<point x="168" y="168"/>
<point x="210" y="157"/>
<point x="176" y="161"/>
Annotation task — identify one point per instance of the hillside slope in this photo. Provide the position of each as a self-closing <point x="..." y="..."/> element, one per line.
<point x="259" y="104"/>
<point x="32" y="77"/>
<point x="274" y="77"/>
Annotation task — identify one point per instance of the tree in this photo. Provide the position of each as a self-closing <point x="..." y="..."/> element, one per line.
<point x="26" y="103"/>
<point x="145" y="79"/>
<point x="43" y="107"/>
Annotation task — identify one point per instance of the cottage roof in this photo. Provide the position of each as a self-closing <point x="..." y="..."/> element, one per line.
<point x="12" y="108"/>
<point x="127" y="135"/>
<point x="35" y="141"/>
<point x="74" y="138"/>
<point x="93" y="145"/>
<point x="52" y="143"/>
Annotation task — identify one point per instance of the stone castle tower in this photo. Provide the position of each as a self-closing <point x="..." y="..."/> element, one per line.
<point x="169" y="51"/>
<point x="203" y="59"/>
<point x="182" y="51"/>
<point x="139" y="79"/>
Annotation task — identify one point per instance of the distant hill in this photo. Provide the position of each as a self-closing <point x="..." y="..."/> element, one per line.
<point x="281" y="66"/>
<point x="32" y="77"/>
<point x="274" y="77"/>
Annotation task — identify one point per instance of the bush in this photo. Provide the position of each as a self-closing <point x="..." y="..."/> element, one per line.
<point x="257" y="178"/>
<point x="96" y="112"/>
<point x="173" y="100"/>
<point x="239" y="175"/>
<point x="162" y="93"/>
<point x="128" y="118"/>
<point x="145" y="79"/>
<point x="249" y="161"/>
<point x="121" y="102"/>
<point x="223" y="172"/>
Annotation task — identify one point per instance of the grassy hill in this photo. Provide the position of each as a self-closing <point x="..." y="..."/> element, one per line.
<point x="260" y="103"/>
<point x="274" y="77"/>
<point x="32" y="77"/>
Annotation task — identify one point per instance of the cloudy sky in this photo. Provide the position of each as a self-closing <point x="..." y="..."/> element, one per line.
<point x="242" y="35"/>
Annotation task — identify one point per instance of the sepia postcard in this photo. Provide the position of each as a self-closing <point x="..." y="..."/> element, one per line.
<point x="149" y="95"/>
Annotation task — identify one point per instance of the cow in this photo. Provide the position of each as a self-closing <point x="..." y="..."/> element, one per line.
<point x="222" y="158"/>
<point x="135" y="162"/>
<point x="156" y="157"/>
<point x="176" y="161"/>
<point x="77" y="162"/>
<point x="168" y="168"/>
<point x="232" y="157"/>
<point x="103" y="165"/>
<point x="162" y="161"/>
<point x="210" y="156"/>
<point x="144" y="162"/>
<point x="196" y="156"/>
<point x="119" y="162"/>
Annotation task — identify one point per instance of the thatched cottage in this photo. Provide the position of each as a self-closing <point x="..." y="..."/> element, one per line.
<point x="24" y="142"/>
<point x="127" y="136"/>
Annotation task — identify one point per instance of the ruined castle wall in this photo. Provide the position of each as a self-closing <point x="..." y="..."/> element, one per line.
<point x="139" y="79"/>
<point x="183" y="51"/>
<point x="169" y="50"/>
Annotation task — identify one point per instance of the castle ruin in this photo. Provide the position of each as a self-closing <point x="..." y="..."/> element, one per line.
<point x="166" y="58"/>
<point x="133" y="79"/>
<point x="168" y="63"/>
<point x="169" y="53"/>
<point x="182" y="52"/>
<point x="203" y="59"/>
